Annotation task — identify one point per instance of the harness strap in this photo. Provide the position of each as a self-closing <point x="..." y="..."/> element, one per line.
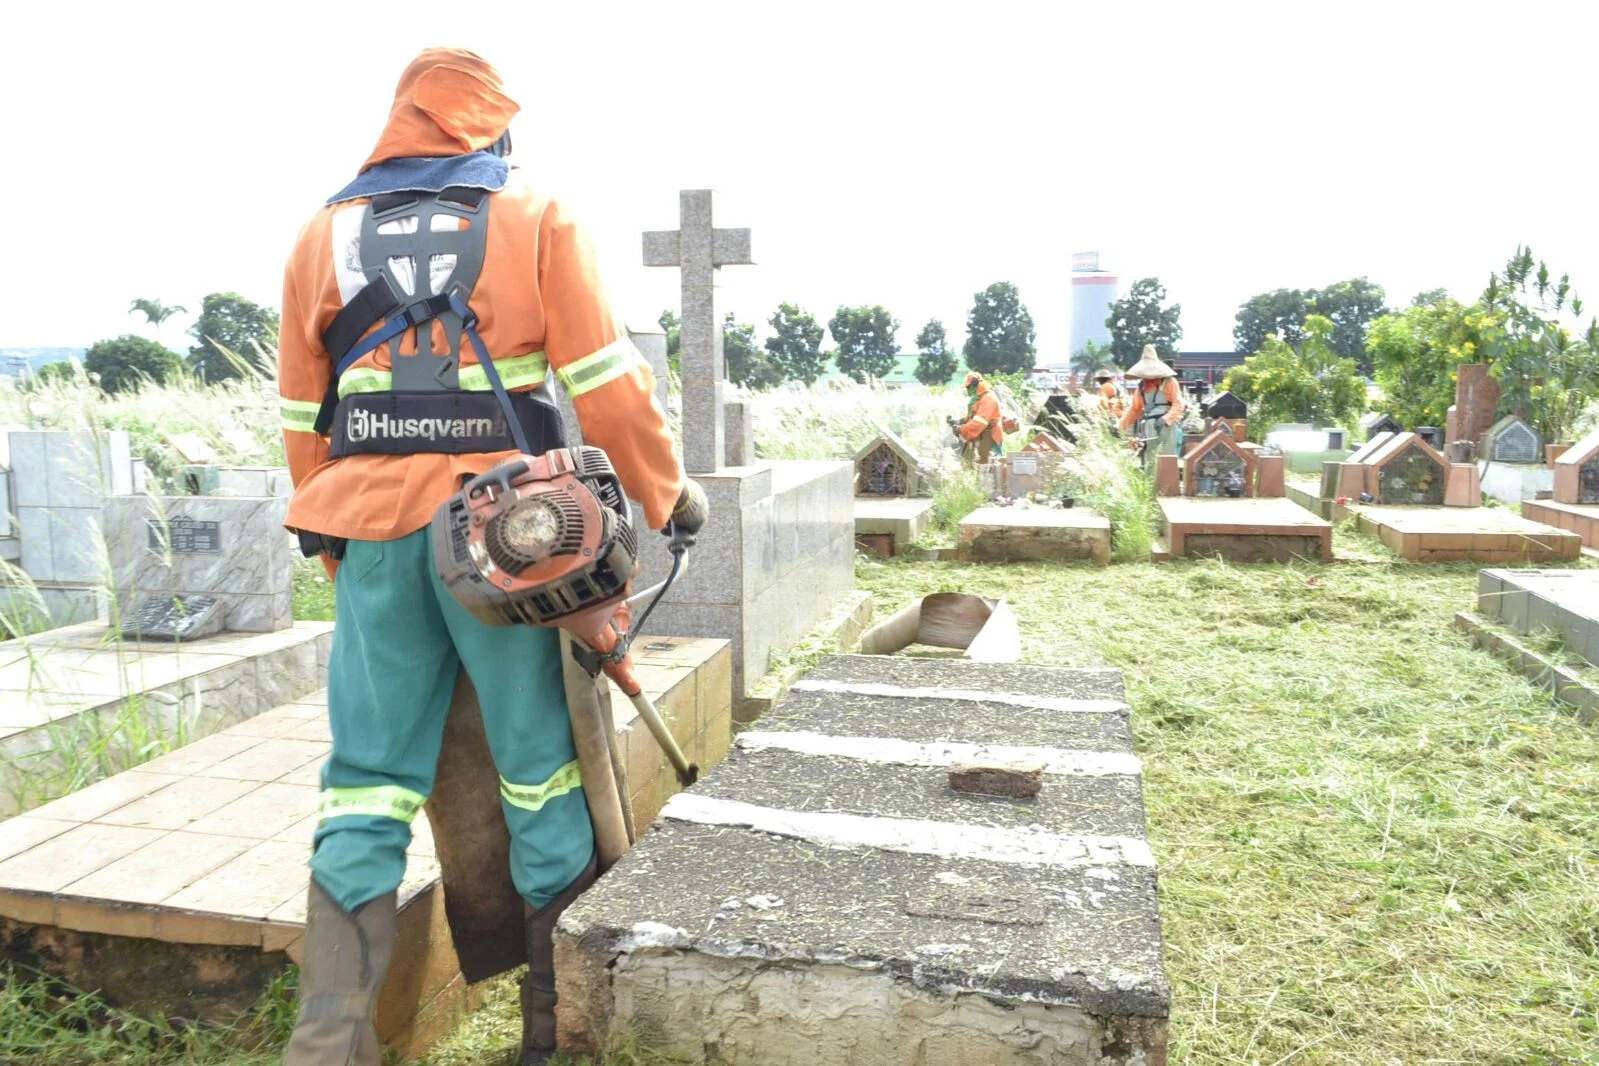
<point x="469" y="324"/>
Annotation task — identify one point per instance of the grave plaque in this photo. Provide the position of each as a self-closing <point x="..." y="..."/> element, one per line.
<point x="177" y="618"/>
<point x="1588" y="481"/>
<point x="187" y="536"/>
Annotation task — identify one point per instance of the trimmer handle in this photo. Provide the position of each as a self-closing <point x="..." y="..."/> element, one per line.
<point x="502" y="475"/>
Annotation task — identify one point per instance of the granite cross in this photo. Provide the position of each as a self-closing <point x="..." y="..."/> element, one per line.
<point x="698" y="248"/>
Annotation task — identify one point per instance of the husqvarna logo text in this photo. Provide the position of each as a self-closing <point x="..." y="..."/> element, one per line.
<point x="361" y="425"/>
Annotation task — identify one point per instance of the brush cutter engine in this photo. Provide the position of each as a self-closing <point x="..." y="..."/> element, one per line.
<point x="539" y="540"/>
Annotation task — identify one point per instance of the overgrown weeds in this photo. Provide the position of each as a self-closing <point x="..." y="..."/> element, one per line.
<point x="45" y="1022"/>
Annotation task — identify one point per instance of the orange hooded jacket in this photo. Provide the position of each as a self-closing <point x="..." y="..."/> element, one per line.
<point x="539" y="303"/>
<point x="984" y="416"/>
<point x="1135" y="409"/>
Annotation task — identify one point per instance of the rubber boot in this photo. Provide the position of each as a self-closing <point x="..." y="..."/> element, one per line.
<point x="346" y="957"/>
<point x="538" y="987"/>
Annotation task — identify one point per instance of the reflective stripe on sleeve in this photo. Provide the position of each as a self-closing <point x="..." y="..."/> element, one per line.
<point x="534" y="797"/>
<point x="517" y="372"/>
<point x="300" y="415"/>
<point x="378" y="801"/>
<point x="604" y="366"/>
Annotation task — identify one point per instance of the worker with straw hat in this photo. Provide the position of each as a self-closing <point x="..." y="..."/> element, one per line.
<point x="1156" y="408"/>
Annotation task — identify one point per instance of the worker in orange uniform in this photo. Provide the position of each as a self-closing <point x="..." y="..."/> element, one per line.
<point x="1156" y="408"/>
<point x="1110" y="397"/>
<point x="423" y="306"/>
<point x="984" y="428"/>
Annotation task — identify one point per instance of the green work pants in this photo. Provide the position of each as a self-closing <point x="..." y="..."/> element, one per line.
<point x="399" y="639"/>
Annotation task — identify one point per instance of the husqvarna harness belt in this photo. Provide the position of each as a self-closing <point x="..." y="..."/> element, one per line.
<point x="421" y="253"/>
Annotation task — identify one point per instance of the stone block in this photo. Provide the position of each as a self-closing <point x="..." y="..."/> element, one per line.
<point x="77" y="550"/>
<point x="1272" y="479"/>
<point x="739" y="428"/>
<point x="232" y="549"/>
<point x="1016" y="778"/>
<point x="1035" y="534"/>
<point x="1464" y="486"/>
<point x="1168" y="475"/>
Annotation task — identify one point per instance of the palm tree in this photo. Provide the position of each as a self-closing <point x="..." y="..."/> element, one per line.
<point x="155" y="311"/>
<point x="1091" y="358"/>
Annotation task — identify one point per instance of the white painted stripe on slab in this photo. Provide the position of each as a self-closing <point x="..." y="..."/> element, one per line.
<point x="965" y="695"/>
<point x="914" y="835"/>
<point x="888" y="751"/>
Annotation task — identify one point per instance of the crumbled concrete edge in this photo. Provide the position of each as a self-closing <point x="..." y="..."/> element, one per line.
<point x="1129" y="994"/>
<point x="1578" y="690"/>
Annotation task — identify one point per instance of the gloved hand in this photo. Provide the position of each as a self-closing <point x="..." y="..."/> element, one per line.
<point x="692" y="510"/>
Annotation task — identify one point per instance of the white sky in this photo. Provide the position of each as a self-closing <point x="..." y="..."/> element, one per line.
<point x="898" y="153"/>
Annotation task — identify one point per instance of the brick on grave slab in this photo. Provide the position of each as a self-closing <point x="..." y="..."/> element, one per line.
<point x="1018" y="778"/>
<point x="1108" y="804"/>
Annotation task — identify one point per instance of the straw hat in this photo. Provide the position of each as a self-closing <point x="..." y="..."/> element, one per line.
<point x="1150" y="365"/>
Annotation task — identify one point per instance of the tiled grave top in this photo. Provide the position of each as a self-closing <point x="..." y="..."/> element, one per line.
<point x="831" y="835"/>
<point x="65" y="672"/>
<point x="1269" y="513"/>
<point x="1565" y="601"/>
<point x="1037" y="517"/>
<point x="208" y="844"/>
<point x="1486" y="520"/>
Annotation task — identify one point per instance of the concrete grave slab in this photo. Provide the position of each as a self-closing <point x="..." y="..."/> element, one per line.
<point x="1251" y="530"/>
<point x="1449" y="534"/>
<point x="901" y="520"/>
<point x="1018" y="534"/>
<point x="875" y="914"/>
<point x="1581" y="519"/>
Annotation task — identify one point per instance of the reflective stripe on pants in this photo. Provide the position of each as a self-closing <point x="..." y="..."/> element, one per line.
<point x="399" y="640"/>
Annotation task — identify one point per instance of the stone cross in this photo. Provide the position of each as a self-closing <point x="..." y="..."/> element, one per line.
<point x="698" y="248"/>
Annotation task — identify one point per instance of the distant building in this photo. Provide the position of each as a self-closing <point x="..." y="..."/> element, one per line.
<point x="1093" y="291"/>
<point x="1207" y="368"/>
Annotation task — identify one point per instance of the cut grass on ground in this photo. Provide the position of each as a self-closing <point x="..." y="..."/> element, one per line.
<point x="1377" y="844"/>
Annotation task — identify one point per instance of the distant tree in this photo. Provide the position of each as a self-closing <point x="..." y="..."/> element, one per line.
<point x="154" y="311"/>
<point x="745" y="363"/>
<point x="1280" y="313"/>
<point x="1429" y="299"/>
<point x="236" y="324"/>
<point x="1091" y="358"/>
<point x="674" y="333"/>
<point x="1314" y="384"/>
<point x="1138" y="319"/>
<point x="866" y="344"/>
<point x="999" y="332"/>
<point x="796" y="344"/>
<point x="1416" y="354"/>
<point x="936" y="364"/>
<point x="51" y="373"/>
<point x="1547" y="376"/>
<point x="1351" y="306"/>
<point x="126" y="362"/>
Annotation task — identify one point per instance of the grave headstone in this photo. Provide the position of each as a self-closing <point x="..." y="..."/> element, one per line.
<point x="887" y="467"/>
<point x="58" y="481"/>
<point x="1407" y="470"/>
<point x="777" y="554"/>
<point x="229" y="549"/>
<point x="1510" y="440"/>
<point x="698" y="249"/>
<point x="740" y="429"/>
<point x="1057" y="417"/>
<point x="1432" y="435"/>
<point x="1380" y="424"/>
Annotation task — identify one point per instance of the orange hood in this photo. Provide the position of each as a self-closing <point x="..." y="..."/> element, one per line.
<point x="449" y="102"/>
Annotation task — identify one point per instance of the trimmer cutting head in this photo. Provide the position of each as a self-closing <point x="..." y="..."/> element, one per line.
<point x="540" y="540"/>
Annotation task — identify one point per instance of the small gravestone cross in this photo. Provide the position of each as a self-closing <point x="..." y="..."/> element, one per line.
<point x="698" y="248"/>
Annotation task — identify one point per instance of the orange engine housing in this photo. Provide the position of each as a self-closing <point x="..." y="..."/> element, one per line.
<point x="543" y="541"/>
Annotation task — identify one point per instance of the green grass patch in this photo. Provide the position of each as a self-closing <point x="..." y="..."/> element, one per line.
<point x="1377" y="844"/>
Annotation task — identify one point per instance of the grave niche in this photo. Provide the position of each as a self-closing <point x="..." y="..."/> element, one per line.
<point x="1219" y="468"/>
<point x="1512" y="441"/>
<point x="1588" y="481"/>
<point x="1383" y="424"/>
<point x="1411" y="477"/>
<point x="886" y="467"/>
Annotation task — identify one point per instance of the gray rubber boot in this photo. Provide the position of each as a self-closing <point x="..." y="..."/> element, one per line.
<point x="346" y="957"/>
<point x="538" y="987"/>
